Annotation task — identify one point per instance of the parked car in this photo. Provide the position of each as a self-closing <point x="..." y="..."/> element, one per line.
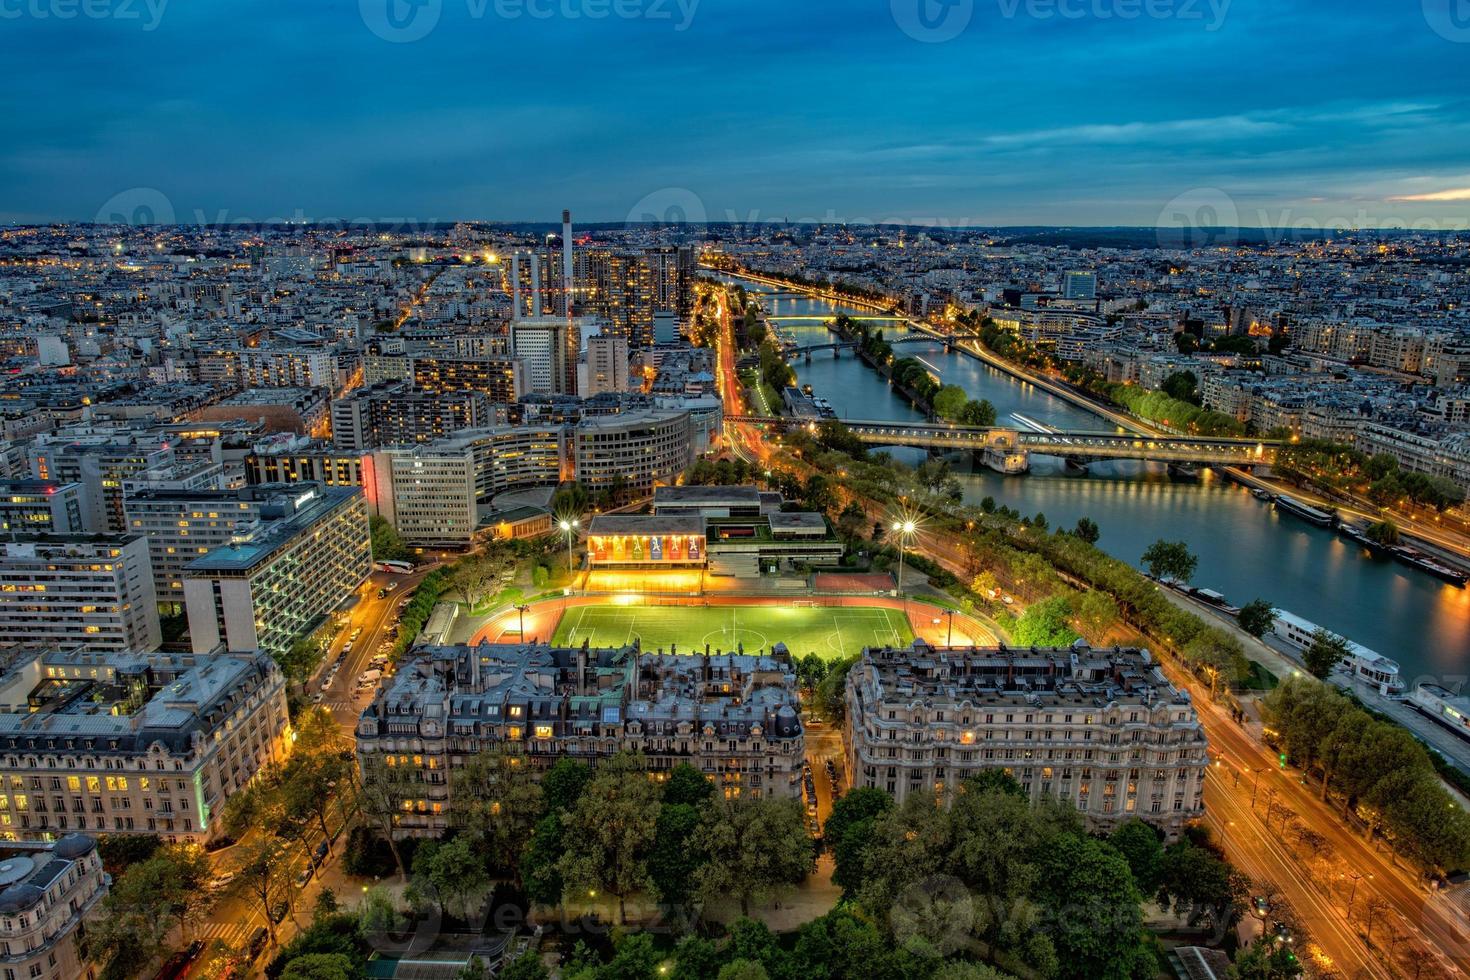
<point x="178" y="964"/>
<point x="320" y="854"/>
<point x="256" y="944"/>
<point x="304" y="876"/>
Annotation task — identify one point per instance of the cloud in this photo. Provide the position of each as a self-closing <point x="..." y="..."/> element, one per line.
<point x="1454" y="194"/>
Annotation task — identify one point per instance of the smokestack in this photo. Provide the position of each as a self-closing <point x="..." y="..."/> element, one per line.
<point x="515" y="279"/>
<point x="566" y="260"/>
<point x="535" y="284"/>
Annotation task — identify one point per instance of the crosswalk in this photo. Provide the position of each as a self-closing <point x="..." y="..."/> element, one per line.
<point x="233" y="934"/>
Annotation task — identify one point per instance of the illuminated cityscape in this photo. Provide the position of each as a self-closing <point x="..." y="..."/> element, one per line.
<point x="928" y="489"/>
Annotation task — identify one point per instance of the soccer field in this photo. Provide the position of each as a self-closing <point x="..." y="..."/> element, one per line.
<point x="829" y="632"/>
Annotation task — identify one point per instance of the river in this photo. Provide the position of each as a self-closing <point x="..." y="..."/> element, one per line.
<point x="1246" y="548"/>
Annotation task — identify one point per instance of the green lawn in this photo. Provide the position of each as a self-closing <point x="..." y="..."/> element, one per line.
<point x="830" y="632"/>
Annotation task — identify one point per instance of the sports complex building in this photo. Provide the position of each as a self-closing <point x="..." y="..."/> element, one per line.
<point x="739" y="531"/>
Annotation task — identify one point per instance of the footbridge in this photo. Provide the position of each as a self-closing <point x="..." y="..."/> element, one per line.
<point x="1009" y="450"/>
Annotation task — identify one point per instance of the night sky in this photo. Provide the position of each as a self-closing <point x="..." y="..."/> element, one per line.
<point x="960" y="112"/>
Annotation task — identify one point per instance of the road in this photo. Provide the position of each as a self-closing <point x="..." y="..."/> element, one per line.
<point x="375" y="617"/>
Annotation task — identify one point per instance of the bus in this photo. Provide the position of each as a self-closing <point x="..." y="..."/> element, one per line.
<point x="396" y="567"/>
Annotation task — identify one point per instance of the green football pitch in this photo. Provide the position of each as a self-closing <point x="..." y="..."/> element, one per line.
<point x="829" y="631"/>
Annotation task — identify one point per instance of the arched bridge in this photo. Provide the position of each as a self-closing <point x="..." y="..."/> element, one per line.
<point x="1009" y="450"/>
<point x="838" y="345"/>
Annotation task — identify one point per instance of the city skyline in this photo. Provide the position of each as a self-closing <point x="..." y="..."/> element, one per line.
<point x="1007" y="113"/>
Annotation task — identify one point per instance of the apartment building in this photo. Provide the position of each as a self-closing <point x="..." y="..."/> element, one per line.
<point x="392" y="413"/>
<point x="47" y="890"/>
<point x="100" y="464"/>
<point x="40" y="507"/>
<point x="637" y="450"/>
<point x="1102" y="729"/>
<point x="288" y="367"/>
<point x="66" y="590"/>
<point x="548" y="347"/>
<point x="606" y="366"/>
<point x="281" y="575"/>
<point x="502" y="379"/>
<point x="125" y="742"/>
<point x="292" y="459"/>
<point x="734" y="717"/>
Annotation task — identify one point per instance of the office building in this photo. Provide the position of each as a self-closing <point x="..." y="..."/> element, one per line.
<point x="620" y="289"/>
<point x="48" y="888"/>
<point x="635" y="450"/>
<point x="606" y="366"/>
<point x="733" y="717"/>
<point x="67" y="590"/>
<point x="182" y="525"/>
<point x="282" y="575"/>
<point x="40" y="507"/>
<point x="1080" y="286"/>
<point x="1102" y="729"/>
<point x="434" y="494"/>
<point x="143" y="743"/>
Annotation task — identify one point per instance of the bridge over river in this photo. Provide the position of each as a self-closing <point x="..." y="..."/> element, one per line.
<point x="1009" y="450"/>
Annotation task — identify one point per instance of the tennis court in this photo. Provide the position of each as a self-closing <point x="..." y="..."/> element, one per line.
<point x="828" y="631"/>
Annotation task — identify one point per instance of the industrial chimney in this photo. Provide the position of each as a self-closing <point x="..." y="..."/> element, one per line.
<point x="535" y="284"/>
<point x="515" y="279"/>
<point x="566" y="260"/>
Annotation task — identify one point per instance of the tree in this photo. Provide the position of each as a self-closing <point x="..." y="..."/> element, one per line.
<point x="1170" y="560"/>
<point x="1101" y="933"/>
<point x="743" y="970"/>
<point x="387" y="544"/>
<point x="321" y="966"/>
<point x="609" y="831"/>
<point x="1141" y="848"/>
<point x="527" y="966"/>
<point x="1266" y="961"/>
<point x="562" y="784"/>
<point x="687" y="786"/>
<point x="457" y="872"/>
<point x="145" y="902"/>
<point x="980" y="414"/>
<point x="1385" y="533"/>
<point x="1044" y="624"/>
<point x="1182" y="385"/>
<point x="755" y="847"/>
<point x="1097" y="613"/>
<point x="848" y="829"/>
<point x="674" y="858"/>
<point x="498" y="800"/>
<point x="263" y="872"/>
<point x="949" y="402"/>
<point x="381" y="797"/>
<point x="1257" y="617"/>
<point x="540" y="870"/>
<point x="1087" y="530"/>
<point x="1325" y="652"/>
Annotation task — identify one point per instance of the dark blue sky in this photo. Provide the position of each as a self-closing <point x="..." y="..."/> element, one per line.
<point x="1078" y="112"/>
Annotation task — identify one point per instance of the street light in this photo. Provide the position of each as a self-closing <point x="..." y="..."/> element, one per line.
<point x="569" y="528"/>
<point x="904" y="529"/>
<point x="522" y="610"/>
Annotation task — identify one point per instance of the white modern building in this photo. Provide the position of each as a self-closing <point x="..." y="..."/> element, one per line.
<point x="66" y="590"/>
